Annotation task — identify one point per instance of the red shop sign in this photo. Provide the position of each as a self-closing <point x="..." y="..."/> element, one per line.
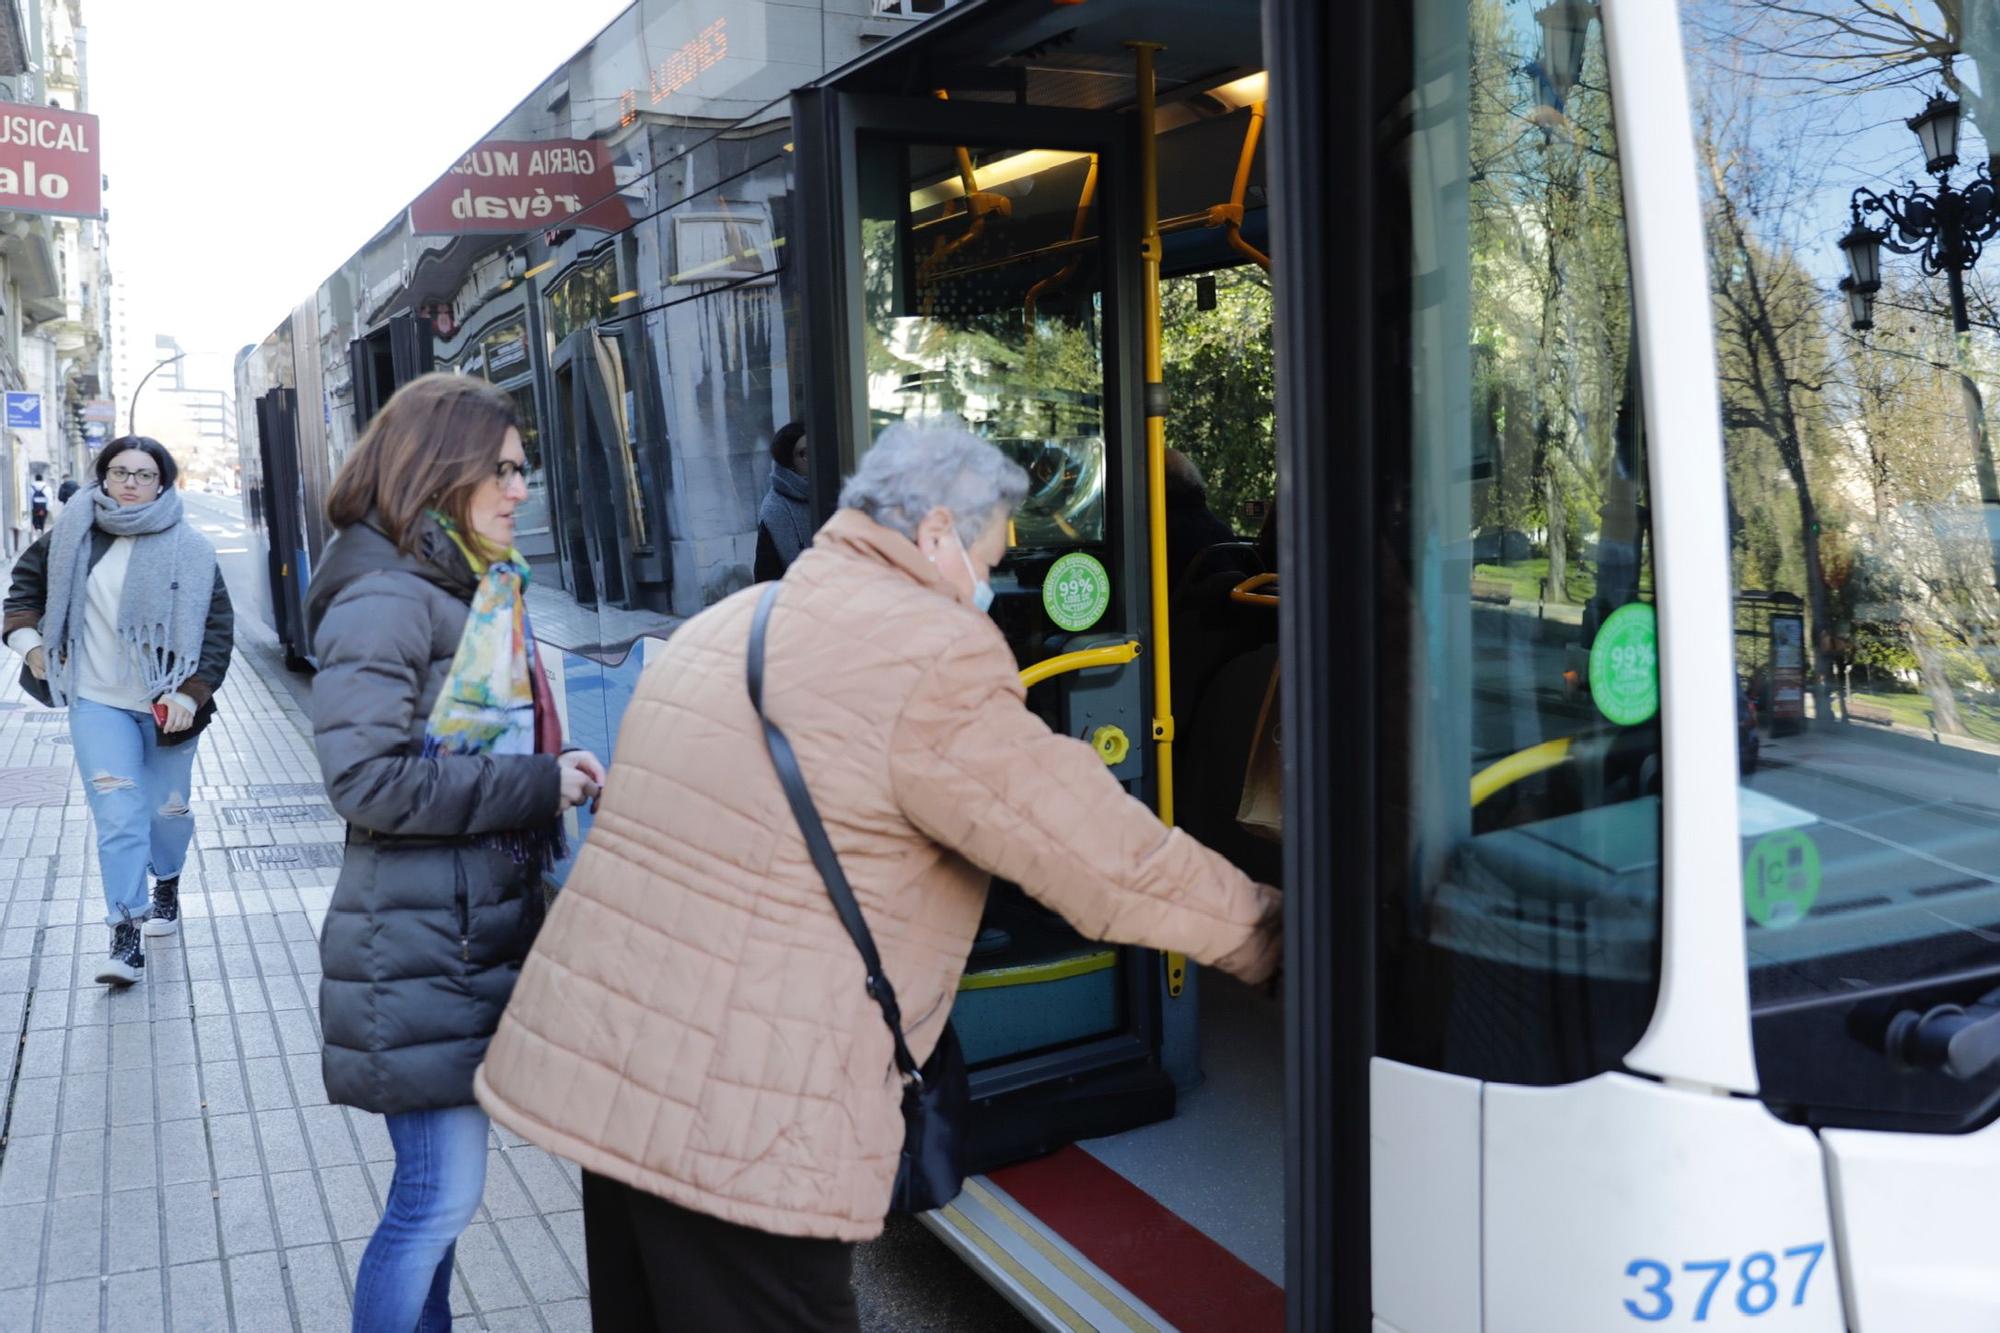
<point x="48" y="161"/>
<point x="517" y="186"/>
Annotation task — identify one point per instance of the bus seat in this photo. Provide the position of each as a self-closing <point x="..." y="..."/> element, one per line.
<point x="1216" y="731"/>
<point x="1239" y="558"/>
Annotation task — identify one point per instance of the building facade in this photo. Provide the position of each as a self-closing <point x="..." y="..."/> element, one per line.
<point x="55" y="274"/>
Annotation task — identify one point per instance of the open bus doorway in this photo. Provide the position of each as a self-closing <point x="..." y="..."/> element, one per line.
<point x="1218" y="1164"/>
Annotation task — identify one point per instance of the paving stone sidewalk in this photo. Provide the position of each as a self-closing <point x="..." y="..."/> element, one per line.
<point x="168" y="1159"/>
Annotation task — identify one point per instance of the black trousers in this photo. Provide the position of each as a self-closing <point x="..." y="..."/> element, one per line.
<point x="657" y="1267"/>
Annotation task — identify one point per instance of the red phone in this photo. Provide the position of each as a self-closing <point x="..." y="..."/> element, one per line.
<point x="160" y="712"/>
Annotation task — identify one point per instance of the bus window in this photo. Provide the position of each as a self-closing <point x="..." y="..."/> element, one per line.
<point x="1855" y="349"/>
<point x="1520" y="746"/>
<point x="982" y="288"/>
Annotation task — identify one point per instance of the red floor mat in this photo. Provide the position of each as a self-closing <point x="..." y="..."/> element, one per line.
<point x="1186" y="1277"/>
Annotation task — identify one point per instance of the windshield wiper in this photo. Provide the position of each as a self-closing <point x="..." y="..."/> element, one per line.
<point x="1962" y="1040"/>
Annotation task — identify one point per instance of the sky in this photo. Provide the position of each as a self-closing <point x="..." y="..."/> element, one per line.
<point x="252" y="147"/>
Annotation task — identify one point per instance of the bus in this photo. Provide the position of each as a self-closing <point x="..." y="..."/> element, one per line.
<point x="1576" y="382"/>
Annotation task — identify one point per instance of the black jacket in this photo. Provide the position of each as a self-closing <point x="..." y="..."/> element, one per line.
<point x="28" y="600"/>
<point x="428" y="925"/>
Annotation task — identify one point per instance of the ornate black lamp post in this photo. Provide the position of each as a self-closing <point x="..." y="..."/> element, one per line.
<point x="1565" y="28"/>
<point x="1947" y="228"/>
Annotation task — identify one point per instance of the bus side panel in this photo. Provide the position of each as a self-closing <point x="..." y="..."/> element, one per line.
<point x="1619" y="1202"/>
<point x="1423" y="1173"/>
<point x="1916" y="1228"/>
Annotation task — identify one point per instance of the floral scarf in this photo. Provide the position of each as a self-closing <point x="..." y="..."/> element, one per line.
<point x="495" y="699"/>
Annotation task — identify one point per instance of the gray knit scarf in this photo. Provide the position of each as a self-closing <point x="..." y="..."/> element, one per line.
<point x="163" y="607"/>
<point x="787" y="513"/>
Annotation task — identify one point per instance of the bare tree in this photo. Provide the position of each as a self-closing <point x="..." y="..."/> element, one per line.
<point x="1770" y="326"/>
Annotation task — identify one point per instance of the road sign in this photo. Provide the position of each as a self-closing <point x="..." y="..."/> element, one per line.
<point x="24" y="410"/>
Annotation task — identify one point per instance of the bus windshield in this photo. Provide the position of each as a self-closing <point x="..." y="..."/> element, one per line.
<point x="1846" y="194"/>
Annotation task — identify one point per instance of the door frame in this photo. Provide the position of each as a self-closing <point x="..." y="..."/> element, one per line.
<point x="829" y="127"/>
<point x="1328" y="96"/>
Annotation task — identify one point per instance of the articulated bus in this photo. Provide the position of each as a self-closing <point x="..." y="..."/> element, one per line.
<point x="1601" y="654"/>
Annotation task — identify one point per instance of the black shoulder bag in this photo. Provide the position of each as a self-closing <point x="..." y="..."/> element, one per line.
<point x="935" y="1099"/>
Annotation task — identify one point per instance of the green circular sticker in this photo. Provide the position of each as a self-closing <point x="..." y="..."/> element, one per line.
<point x="1781" y="879"/>
<point x="1076" y="592"/>
<point x="1625" y="665"/>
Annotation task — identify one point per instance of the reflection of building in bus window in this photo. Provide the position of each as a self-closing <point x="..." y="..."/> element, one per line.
<point x="784" y="522"/>
<point x="533" y="516"/>
<point x="611" y="364"/>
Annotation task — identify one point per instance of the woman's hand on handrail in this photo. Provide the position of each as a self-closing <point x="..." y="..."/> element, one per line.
<point x="582" y="779"/>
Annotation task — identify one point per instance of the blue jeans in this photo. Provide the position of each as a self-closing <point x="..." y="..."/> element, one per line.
<point x="138" y="793"/>
<point x="404" y="1282"/>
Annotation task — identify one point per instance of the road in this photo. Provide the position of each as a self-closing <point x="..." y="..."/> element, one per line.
<point x="905" y="1282"/>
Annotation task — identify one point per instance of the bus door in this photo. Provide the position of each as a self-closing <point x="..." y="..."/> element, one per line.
<point x="276" y="503"/>
<point x="386" y="359"/>
<point x="608" y="524"/>
<point x="981" y="264"/>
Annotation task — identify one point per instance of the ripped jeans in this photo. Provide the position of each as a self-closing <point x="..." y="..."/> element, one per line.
<point x="138" y="793"/>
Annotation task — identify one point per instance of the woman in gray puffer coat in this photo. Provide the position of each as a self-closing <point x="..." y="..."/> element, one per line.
<point x="442" y="748"/>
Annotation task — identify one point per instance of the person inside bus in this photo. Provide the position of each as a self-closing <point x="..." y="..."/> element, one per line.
<point x="693" y="1027"/>
<point x="441" y="747"/>
<point x="124" y="619"/>
<point x="1192" y="527"/>
<point x="784" y="522"/>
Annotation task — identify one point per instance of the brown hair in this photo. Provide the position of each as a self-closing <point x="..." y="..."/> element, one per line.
<point x="432" y="444"/>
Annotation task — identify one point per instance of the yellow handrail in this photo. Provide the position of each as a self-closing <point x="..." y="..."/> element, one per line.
<point x="1246" y="591"/>
<point x="1115" y="654"/>
<point x="1076" y="233"/>
<point x="1242" y="188"/>
<point x="1521" y="764"/>
<point x="1151" y="251"/>
<point x="1156" y="424"/>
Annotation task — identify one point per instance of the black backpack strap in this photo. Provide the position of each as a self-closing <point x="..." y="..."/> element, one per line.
<point x="817" y="843"/>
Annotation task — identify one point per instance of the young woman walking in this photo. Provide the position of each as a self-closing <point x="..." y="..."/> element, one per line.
<point x="442" y="749"/>
<point x="123" y="617"/>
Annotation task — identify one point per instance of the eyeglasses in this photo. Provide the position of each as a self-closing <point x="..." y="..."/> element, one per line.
<point x="508" y="469"/>
<point x="144" y="476"/>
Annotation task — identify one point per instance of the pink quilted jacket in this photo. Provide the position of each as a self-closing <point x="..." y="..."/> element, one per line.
<point x="692" y="1020"/>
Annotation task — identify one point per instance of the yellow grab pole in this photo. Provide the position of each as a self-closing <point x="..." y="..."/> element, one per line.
<point x="1156" y="454"/>
<point x="1156" y="426"/>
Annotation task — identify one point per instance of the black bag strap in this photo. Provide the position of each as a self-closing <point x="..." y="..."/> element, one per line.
<point x="818" y="844"/>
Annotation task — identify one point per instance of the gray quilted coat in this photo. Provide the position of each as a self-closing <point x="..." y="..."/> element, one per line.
<point x="428" y="927"/>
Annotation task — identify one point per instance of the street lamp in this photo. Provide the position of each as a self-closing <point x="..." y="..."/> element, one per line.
<point x="1936" y="128"/>
<point x="1946" y="228"/>
<point x="132" y="412"/>
<point x="1860" y="305"/>
<point x="1565" y="29"/>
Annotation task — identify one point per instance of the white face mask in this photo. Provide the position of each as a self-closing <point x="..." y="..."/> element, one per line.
<point x="982" y="591"/>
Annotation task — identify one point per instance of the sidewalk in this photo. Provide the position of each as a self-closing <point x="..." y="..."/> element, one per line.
<point x="168" y="1159"/>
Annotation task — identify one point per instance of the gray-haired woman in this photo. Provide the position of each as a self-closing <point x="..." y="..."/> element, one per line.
<point x="693" y="1025"/>
<point x="124" y="619"/>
